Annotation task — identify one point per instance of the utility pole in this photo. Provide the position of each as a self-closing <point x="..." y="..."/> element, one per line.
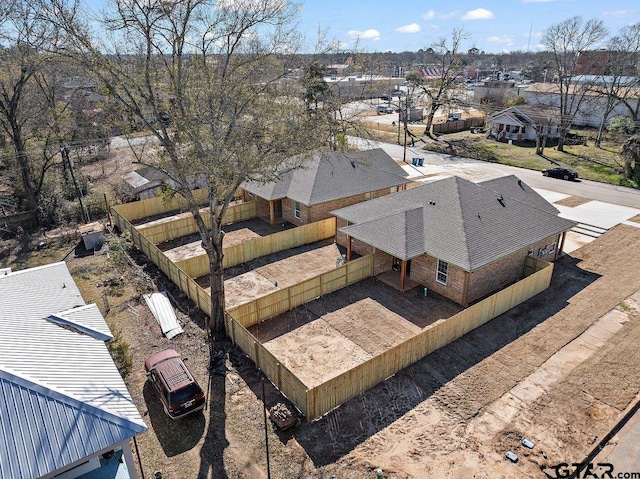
<point x="64" y="151"/>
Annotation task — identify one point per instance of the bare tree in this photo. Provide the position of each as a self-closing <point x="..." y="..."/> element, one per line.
<point x="618" y="83"/>
<point x="567" y="40"/>
<point x="22" y="107"/>
<point x="208" y="80"/>
<point x="446" y="57"/>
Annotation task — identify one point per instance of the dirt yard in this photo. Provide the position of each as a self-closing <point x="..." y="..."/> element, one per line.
<point x="360" y="321"/>
<point x="558" y="370"/>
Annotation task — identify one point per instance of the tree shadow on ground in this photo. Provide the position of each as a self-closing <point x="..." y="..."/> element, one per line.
<point x="343" y="429"/>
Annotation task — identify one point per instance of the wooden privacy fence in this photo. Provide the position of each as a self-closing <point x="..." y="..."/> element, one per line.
<point x="155" y="206"/>
<point x="349" y="384"/>
<point x="186" y="284"/>
<point x="185" y="225"/>
<point x="242" y="317"/>
<point x="286" y="299"/>
<point x="317" y="401"/>
<point x="197" y="266"/>
<point x="287" y="382"/>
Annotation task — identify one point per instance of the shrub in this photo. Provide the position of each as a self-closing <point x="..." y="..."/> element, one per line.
<point x="119" y="350"/>
<point x="621" y="124"/>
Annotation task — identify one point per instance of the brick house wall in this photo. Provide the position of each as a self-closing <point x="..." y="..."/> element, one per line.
<point x="465" y="288"/>
<point x="262" y="206"/>
<point x="505" y="271"/>
<point x="382" y="262"/>
<point x="424" y="269"/>
<point x="321" y="211"/>
<point x="359" y="247"/>
<point x="289" y="212"/>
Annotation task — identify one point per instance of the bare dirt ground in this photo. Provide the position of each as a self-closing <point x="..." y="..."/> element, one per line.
<point x="558" y="370"/>
<point x="360" y="321"/>
<point x="572" y="201"/>
<point x="550" y="370"/>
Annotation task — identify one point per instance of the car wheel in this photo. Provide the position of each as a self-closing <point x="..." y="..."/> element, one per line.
<point x="545" y="173"/>
<point x="566" y="177"/>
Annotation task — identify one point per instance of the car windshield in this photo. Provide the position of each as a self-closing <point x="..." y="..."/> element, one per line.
<point x="184" y="394"/>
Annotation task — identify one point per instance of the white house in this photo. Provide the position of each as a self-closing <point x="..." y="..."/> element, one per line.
<point x="519" y="123"/>
<point x="66" y="412"/>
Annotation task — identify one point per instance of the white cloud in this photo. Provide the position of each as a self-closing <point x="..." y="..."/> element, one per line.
<point x="448" y="15"/>
<point x="370" y="34"/>
<point x="505" y="40"/>
<point x="539" y="1"/>
<point x="478" y="14"/>
<point x="617" y="13"/>
<point x="430" y="15"/>
<point x="411" y="28"/>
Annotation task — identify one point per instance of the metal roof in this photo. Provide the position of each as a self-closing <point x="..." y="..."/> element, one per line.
<point x="55" y="369"/>
<point x="164" y="313"/>
<point x="466" y="224"/>
<point x="330" y="175"/>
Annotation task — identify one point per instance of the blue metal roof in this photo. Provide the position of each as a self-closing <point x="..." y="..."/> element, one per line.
<point x="62" y="398"/>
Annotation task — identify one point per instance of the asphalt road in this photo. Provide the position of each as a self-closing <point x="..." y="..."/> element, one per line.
<point x="606" y="193"/>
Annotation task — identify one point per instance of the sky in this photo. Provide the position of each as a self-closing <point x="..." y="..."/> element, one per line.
<point x="493" y="25"/>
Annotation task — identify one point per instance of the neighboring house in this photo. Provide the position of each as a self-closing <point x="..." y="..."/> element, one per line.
<point x="145" y="182"/>
<point x="327" y="181"/>
<point x="592" y="106"/>
<point x="522" y="122"/>
<point x="65" y="410"/>
<point x="462" y="240"/>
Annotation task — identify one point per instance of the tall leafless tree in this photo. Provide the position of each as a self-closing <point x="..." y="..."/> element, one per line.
<point x="566" y="41"/>
<point x="445" y="56"/>
<point x="22" y="106"/>
<point x="208" y="80"/>
<point x="619" y="82"/>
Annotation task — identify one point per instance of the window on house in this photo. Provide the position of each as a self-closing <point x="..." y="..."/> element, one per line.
<point x="441" y="276"/>
<point x="394" y="189"/>
<point x="297" y="210"/>
<point x="368" y="196"/>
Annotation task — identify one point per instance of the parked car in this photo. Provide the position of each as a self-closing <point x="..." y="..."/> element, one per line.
<point x="564" y="173"/>
<point x="179" y="392"/>
<point x="384" y="109"/>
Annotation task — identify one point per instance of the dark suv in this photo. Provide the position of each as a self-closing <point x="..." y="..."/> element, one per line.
<point x="178" y="390"/>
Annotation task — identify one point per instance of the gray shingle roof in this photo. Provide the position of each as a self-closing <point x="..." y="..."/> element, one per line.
<point x="464" y="223"/>
<point x="330" y="175"/>
<point x="55" y="375"/>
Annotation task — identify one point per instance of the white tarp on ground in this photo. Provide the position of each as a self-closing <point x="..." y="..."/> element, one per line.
<point x="164" y="313"/>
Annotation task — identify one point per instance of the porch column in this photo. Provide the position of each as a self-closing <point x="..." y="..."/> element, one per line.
<point x="403" y="273"/>
<point x="348" y="248"/>
<point x="563" y="235"/>
<point x="272" y="212"/>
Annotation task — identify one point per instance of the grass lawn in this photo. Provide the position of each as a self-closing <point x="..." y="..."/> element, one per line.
<point x="598" y="164"/>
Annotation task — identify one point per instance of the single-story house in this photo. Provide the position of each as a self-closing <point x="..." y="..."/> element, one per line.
<point x="329" y="180"/>
<point x="521" y="122"/>
<point x="66" y="412"/>
<point x="461" y="239"/>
